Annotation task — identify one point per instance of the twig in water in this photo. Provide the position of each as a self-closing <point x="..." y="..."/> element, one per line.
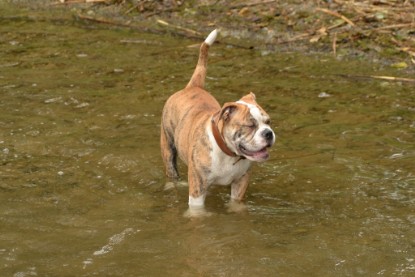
<point x="296" y="38"/>
<point x="386" y="78"/>
<point x="119" y="24"/>
<point x="193" y="32"/>
<point x="391" y="78"/>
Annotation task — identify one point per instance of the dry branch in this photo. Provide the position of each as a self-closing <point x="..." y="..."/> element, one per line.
<point x="336" y="14"/>
<point x="395" y="26"/>
<point x="238" y="6"/>
<point x="66" y="2"/>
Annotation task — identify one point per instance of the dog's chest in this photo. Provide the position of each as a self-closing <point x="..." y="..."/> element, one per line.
<point x="224" y="170"/>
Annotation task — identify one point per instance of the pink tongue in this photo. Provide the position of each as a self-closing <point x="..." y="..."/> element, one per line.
<point x="262" y="154"/>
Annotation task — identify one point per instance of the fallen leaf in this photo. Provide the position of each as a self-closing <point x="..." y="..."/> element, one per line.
<point x="315" y="39"/>
<point x="244" y="11"/>
<point x="400" y="65"/>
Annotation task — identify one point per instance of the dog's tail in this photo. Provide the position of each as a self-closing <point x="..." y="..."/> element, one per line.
<point x="199" y="75"/>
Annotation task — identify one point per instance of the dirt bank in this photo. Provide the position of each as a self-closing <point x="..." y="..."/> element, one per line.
<point x="378" y="30"/>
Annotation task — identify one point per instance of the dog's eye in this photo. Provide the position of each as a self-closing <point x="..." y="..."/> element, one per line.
<point x="268" y="121"/>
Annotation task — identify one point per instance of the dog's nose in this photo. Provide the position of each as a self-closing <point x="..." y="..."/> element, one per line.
<point x="268" y="135"/>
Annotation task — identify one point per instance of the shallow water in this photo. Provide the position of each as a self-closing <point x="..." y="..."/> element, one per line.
<point x="82" y="182"/>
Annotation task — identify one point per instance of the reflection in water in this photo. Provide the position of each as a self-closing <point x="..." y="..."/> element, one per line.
<point x="82" y="188"/>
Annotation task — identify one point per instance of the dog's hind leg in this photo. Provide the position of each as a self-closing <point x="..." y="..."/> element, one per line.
<point x="169" y="155"/>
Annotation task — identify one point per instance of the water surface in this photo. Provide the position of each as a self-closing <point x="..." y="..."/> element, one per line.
<point x="82" y="181"/>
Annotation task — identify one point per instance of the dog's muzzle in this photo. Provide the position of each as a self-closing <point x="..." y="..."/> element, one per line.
<point x="269" y="136"/>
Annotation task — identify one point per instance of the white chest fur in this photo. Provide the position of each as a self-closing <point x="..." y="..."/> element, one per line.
<point x="225" y="169"/>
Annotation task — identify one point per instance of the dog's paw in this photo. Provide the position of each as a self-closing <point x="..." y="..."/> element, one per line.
<point x="169" y="186"/>
<point x="176" y="184"/>
<point x="182" y="184"/>
<point x="196" y="212"/>
<point x="236" y="207"/>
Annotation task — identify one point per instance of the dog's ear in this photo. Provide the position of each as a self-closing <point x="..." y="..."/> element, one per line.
<point x="227" y="110"/>
<point x="249" y="98"/>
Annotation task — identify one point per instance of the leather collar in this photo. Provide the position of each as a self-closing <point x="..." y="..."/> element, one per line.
<point x="219" y="139"/>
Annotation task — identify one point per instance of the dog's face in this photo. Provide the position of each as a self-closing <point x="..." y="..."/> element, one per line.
<point x="246" y="128"/>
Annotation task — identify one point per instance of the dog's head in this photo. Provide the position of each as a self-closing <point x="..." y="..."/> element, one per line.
<point x="246" y="128"/>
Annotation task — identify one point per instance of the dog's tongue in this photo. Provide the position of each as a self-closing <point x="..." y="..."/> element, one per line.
<point x="257" y="155"/>
<point x="261" y="154"/>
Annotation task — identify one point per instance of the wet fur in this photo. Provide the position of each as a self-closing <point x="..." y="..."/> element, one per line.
<point x="195" y="109"/>
<point x="186" y="133"/>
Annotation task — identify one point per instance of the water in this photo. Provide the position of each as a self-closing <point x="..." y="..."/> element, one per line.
<point x="82" y="181"/>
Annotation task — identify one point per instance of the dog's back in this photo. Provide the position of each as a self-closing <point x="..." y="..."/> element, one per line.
<point x="189" y="107"/>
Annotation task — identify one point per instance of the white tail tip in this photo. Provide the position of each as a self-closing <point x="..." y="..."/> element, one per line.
<point x="211" y="37"/>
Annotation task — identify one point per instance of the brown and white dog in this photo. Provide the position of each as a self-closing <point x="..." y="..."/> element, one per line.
<point x="218" y="144"/>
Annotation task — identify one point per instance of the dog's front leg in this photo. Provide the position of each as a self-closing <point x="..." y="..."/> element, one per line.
<point x="197" y="188"/>
<point x="238" y="188"/>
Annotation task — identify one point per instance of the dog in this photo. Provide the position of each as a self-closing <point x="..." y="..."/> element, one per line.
<point x="218" y="144"/>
